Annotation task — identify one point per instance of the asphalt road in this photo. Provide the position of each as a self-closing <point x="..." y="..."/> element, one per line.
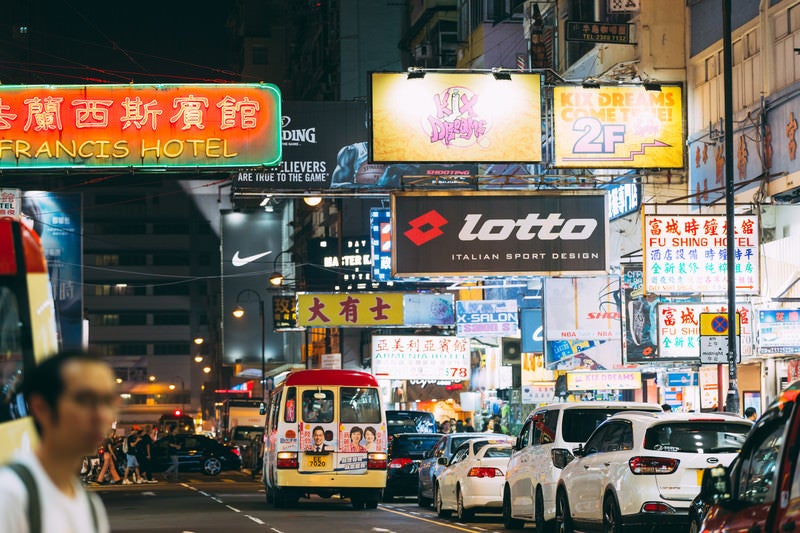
<point x="234" y="502"/>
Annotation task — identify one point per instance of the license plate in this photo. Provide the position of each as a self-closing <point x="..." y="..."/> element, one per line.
<point x="317" y="463"/>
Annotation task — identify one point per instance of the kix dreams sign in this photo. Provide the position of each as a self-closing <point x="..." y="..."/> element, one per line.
<point x="143" y="126"/>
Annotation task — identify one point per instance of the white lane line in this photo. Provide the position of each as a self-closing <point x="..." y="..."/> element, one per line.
<point x="188" y="486"/>
<point x="204" y="493"/>
<point x="234" y="509"/>
<point x="216" y="499"/>
<point x="256" y="520"/>
<point x="480" y="528"/>
<point x="276" y="530"/>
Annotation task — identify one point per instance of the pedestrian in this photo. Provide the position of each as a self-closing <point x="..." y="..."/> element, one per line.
<point x="459" y="426"/>
<point x="445" y="427"/>
<point x="751" y="414"/>
<point x="144" y="455"/>
<point x="72" y="400"/>
<point x="468" y="427"/>
<point x="132" y="463"/>
<point x="172" y="449"/>
<point x="109" y="460"/>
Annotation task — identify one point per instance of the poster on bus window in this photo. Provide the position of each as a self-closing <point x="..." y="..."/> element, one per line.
<point x="362" y="438"/>
<point x="318" y="437"/>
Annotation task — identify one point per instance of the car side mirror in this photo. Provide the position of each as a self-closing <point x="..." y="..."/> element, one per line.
<point x="578" y="452"/>
<point x="442" y="461"/>
<point x="716" y="485"/>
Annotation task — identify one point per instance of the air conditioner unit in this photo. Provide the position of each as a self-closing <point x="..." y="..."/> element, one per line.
<point x="423" y="52"/>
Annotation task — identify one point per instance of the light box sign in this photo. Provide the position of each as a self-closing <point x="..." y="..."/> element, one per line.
<point x="608" y="380"/>
<point x="428" y="310"/>
<point x="139" y="126"/>
<point x="779" y="331"/>
<point x="679" y="329"/>
<point x="582" y="309"/>
<point x="623" y="199"/>
<point x="420" y="357"/>
<point x="380" y="232"/>
<point x="284" y="312"/>
<point x="357" y="309"/>
<point x="618" y="127"/>
<point x="479" y="233"/>
<point x="487" y="318"/>
<point x="688" y="253"/>
<point x="532" y="336"/>
<point x="466" y="117"/>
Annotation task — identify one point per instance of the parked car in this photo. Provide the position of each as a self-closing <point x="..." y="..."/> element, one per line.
<point x="473" y="479"/>
<point x="431" y="467"/>
<point x="196" y="454"/>
<point x="760" y="491"/>
<point x="409" y="422"/>
<point x="249" y="440"/>
<point x="642" y="470"/>
<point x="543" y="448"/>
<point x="405" y="453"/>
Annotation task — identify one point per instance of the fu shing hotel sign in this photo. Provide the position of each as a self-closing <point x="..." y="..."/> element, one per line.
<point x="475" y="233"/>
<point x="140" y="126"/>
<point x="466" y="117"/>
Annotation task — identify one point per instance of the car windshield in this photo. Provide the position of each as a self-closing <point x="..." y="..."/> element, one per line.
<point x="410" y="422"/>
<point x="578" y="424"/>
<point x="696" y="437"/>
<point x="496" y="451"/>
<point x="413" y="446"/>
<point x="244" y="432"/>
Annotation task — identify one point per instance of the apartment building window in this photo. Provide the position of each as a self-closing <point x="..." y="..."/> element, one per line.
<point x="133" y="319"/>
<point x="171" y="228"/>
<point x="181" y="289"/>
<point x="171" y="348"/>
<point x="174" y="318"/>
<point x="171" y="259"/>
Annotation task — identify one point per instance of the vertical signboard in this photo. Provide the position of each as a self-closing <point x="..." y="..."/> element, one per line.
<point x="641" y="319"/>
<point x="380" y="231"/>
<point x="679" y="329"/>
<point x="688" y="253"/>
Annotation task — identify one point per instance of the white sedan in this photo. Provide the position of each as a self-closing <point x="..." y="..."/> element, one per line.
<point x="474" y="477"/>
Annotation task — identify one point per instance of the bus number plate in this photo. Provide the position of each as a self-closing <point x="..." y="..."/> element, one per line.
<point x="316" y="463"/>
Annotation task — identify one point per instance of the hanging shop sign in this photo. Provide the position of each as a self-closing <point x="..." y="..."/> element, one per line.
<point x="618" y="127"/>
<point x="688" y="253"/>
<point x="598" y="32"/>
<point x="532" y="330"/>
<point x="140" y="126"/>
<point x="623" y="199"/>
<point x="679" y="329"/>
<point x="469" y="117"/>
<point x="779" y="331"/>
<point x="478" y="233"/>
<point x="605" y="380"/>
<point x="9" y="202"/>
<point x="682" y="379"/>
<point x="421" y="310"/>
<point x="486" y="318"/>
<point x="355" y="309"/>
<point x="420" y="357"/>
<point x="582" y="309"/>
<point x="380" y="232"/>
<point x="641" y="324"/>
<point x="284" y="313"/>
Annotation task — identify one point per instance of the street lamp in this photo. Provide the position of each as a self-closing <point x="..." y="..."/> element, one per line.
<point x="276" y="278"/>
<point x="238" y="312"/>
<point x="183" y="390"/>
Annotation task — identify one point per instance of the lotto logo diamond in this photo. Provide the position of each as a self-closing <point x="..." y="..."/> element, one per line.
<point x="425" y="227"/>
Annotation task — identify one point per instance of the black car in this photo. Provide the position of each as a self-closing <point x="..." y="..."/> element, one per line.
<point x="196" y="454"/>
<point x="409" y="422"/>
<point x="406" y="450"/>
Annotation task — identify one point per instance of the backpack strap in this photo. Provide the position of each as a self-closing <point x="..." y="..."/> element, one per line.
<point x="34" y="509"/>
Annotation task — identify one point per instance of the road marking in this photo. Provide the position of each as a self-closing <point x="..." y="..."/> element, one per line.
<point x="276" y="530"/>
<point x="189" y="487"/>
<point x="443" y="524"/>
<point x="148" y="493"/>
<point x="480" y="528"/>
<point x="234" y="509"/>
<point x="216" y="499"/>
<point x="256" y="520"/>
<point x="204" y="493"/>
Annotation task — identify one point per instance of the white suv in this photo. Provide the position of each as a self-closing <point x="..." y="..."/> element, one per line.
<point x="544" y="447"/>
<point x="642" y="470"/>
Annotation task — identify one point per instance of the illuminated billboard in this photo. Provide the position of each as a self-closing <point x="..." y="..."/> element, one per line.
<point x="465" y="117"/>
<point x="139" y="126"/>
<point x="618" y="127"/>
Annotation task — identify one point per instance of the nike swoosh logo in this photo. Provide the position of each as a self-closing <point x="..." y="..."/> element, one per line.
<point x="242" y="261"/>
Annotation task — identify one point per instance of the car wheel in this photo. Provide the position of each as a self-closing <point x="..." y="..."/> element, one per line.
<point x="437" y="499"/>
<point x="538" y="514"/>
<point x="462" y="513"/>
<point x="563" y="518"/>
<point x="612" y="521"/>
<point x="694" y="525"/>
<point x="508" y="521"/>
<point x="284" y="498"/>
<point x="212" y="466"/>
<point x="422" y="501"/>
<point x="388" y="497"/>
<point x="371" y="502"/>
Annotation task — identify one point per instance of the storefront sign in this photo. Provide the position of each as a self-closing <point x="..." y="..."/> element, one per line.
<point x="331" y="361"/>
<point x="140" y="126"/>
<point x="535" y="394"/>
<point x="618" y="127"/>
<point x="682" y="379"/>
<point x="607" y="380"/>
<point x="684" y="253"/>
<point x="779" y="331"/>
<point x="623" y="199"/>
<point x="420" y="357"/>
<point x="380" y="231"/>
<point x="335" y="263"/>
<point x="582" y="309"/>
<point x="679" y="329"/>
<point x="438" y="233"/>
<point x="486" y="318"/>
<point x="428" y="310"/>
<point x="9" y="202"/>
<point x="469" y="117"/>
<point x="532" y="330"/>
<point x="356" y="309"/>
<point x="284" y="312"/>
<point x="598" y="32"/>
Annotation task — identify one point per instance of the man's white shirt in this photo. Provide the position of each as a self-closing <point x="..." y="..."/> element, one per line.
<point x="59" y="512"/>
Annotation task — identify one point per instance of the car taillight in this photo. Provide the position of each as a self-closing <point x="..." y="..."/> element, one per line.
<point x="561" y="457"/>
<point x="483" y="471"/>
<point x="236" y="451"/>
<point x="287" y="460"/>
<point x="657" y="507"/>
<point x="653" y="465"/>
<point x="400" y="462"/>
<point x="376" y="461"/>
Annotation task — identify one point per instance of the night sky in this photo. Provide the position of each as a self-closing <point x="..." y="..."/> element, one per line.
<point x="91" y="41"/>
